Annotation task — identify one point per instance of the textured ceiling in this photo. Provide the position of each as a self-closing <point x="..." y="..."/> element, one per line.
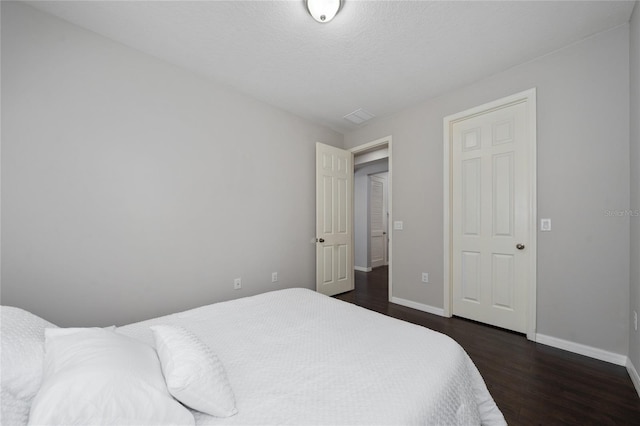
<point x="381" y="56"/>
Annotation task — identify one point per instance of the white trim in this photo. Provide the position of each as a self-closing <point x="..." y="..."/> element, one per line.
<point x="533" y="212"/>
<point x="385" y="141"/>
<point x="581" y="349"/>
<point x="370" y="146"/>
<point x="633" y="373"/>
<point x="419" y="306"/>
<point x="529" y="97"/>
<point x="362" y="268"/>
<point x="447" y="179"/>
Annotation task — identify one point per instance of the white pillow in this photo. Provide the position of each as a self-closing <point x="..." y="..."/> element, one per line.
<point x="22" y="349"/>
<point x="94" y="376"/>
<point x="194" y="374"/>
<point x="15" y="410"/>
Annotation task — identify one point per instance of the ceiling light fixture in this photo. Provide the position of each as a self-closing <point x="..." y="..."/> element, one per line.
<point x="323" y="10"/>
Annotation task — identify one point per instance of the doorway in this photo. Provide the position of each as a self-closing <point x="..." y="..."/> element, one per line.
<point x="370" y="184"/>
<point x="373" y="163"/>
<point x="378" y="219"/>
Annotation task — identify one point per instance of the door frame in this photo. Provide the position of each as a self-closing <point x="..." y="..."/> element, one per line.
<point x="372" y="146"/>
<point x="528" y="97"/>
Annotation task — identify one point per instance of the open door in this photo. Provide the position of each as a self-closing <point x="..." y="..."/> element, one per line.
<point x="334" y="220"/>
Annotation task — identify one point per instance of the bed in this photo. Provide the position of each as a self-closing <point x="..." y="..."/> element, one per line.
<point x="284" y="357"/>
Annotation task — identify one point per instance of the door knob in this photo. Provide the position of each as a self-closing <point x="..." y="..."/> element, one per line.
<point x="320" y="240"/>
<point x="520" y="246"/>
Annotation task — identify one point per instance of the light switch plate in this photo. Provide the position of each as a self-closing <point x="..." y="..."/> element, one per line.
<point x="398" y="225"/>
<point x="545" y="225"/>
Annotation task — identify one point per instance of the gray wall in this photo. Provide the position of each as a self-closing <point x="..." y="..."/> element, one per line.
<point x="133" y="188"/>
<point x="361" y="210"/>
<point x="583" y="170"/>
<point x="634" y="336"/>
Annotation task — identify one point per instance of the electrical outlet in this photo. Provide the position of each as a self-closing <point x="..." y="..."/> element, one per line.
<point x="635" y="320"/>
<point x="237" y="283"/>
<point x="274" y="277"/>
<point x="425" y="277"/>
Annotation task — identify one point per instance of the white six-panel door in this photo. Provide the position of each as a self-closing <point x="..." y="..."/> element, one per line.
<point x="491" y="223"/>
<point x="334" y="220"/>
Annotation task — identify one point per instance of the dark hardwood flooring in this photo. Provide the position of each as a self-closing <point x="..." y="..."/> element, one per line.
<point x="532" y="384"/>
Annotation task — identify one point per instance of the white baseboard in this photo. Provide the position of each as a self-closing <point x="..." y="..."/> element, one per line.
<point x="633" y="373"/>
<point x="419" y="306"/>
<point x="362" y="269"/>
<point x="585" y="350"/>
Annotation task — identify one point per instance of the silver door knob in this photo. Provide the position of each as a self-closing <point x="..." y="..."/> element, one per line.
<point x="520" y="246"/>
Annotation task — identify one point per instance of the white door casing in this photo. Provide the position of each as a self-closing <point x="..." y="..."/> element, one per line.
<point x="334" y="220"/>
<point x="377" y="220"/>
<point x="490" y="215"/>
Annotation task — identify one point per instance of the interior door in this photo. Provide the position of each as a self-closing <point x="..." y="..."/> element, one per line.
<point x="491" y="205"/>
<point x="334" y="220"/>
<point x="377" y="220"/>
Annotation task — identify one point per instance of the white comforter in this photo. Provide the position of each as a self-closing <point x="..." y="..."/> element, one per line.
<point x="297" y="357"/>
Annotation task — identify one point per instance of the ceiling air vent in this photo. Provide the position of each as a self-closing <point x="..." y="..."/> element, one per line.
<point x="359" y="116"/>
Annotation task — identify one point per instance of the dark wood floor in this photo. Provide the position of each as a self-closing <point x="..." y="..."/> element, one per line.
<point x="532" y="384"/>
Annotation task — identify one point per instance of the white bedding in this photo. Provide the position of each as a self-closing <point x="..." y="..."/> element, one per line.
<point x="21" y="359"/>
<point x="297" y="357"/>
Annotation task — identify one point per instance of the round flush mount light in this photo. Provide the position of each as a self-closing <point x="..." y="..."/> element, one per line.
<point x="323" y="10"/>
